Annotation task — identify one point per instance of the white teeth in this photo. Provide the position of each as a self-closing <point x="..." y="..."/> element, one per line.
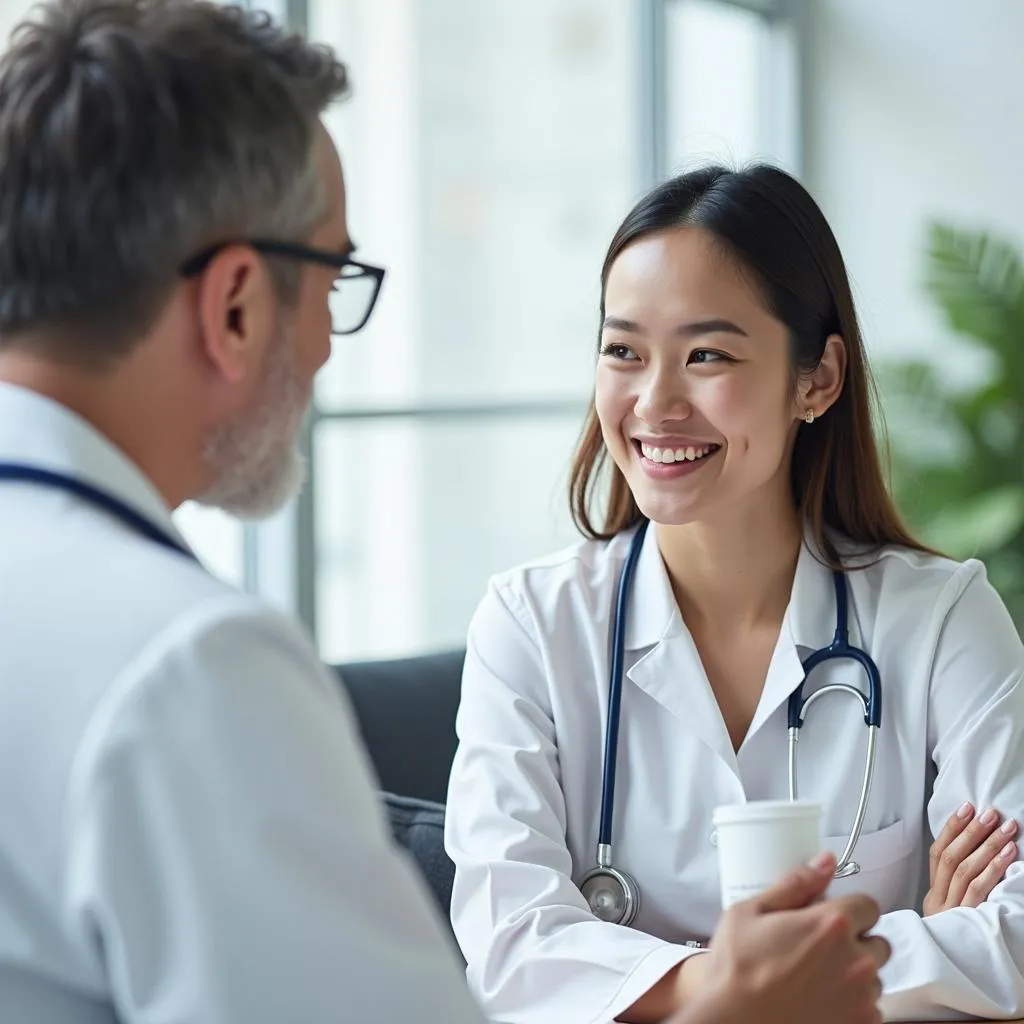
<point x="689" y="454"/>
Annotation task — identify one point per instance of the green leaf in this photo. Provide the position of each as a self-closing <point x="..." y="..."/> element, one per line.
<point x="1006" y="574"/>
<point x="920" y="421"/>
<point x="911" y="379"/>
<point x="980" y="525"/>
<point x="977" y="281"/>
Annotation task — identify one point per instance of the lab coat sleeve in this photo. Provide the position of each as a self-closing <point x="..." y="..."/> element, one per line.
<point x="534" y="951"/>
<point x="968" y="961"/>
<point x="227" y="859"/>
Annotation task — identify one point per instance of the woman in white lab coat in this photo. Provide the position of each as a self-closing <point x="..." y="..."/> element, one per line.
<point x="732" y="410"/>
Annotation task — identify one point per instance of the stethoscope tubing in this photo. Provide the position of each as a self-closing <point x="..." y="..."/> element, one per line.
<point x="840" y="647"/>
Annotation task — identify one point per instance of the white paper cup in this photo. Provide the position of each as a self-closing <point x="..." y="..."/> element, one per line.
<point x="760" y="842"/>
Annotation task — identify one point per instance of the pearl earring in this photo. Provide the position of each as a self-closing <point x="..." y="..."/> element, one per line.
<point x="809" y="415"/>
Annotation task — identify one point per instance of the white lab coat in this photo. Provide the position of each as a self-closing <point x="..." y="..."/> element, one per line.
<point x="188" y="826"/>
<point x="524" y="798"/>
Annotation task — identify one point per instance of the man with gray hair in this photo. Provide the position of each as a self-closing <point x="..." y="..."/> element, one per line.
<point x="188" y="826"/>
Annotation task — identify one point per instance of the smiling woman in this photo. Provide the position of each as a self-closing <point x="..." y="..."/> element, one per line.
<point x="755" y="245"/>
<point x="732" y="411"/>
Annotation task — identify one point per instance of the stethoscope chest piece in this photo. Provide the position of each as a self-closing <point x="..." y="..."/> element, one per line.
<point x="611" y="895"/>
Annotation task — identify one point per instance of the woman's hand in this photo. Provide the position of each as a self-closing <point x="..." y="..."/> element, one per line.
<point x="968" y="859"/>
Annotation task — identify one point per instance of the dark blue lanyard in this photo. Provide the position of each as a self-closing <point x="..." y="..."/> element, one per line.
<point x="95" y="497"/>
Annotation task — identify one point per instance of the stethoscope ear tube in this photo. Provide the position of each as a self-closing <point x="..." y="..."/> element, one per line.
<point x="871" y="705"/>
<point x="613" y="895"/>
<point x="611" y="738"/>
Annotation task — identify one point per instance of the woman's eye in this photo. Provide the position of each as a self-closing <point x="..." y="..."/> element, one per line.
<point x="618" y="351"/>
<point x="703" y="355"/>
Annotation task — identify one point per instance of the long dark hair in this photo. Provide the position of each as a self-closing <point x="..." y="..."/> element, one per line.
<point x="767" y="220"/>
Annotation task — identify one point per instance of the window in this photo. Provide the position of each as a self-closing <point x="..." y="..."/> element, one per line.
<point x="490" y="151"/>
<point x="731" y="93"/>
<point x="488" y="159"/>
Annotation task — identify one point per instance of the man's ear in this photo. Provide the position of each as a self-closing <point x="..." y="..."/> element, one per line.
<point x="237" y="312"/>
<point x="818" y="391"/>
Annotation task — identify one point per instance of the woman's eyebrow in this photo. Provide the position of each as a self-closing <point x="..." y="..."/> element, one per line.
<point x="691" y="330"/>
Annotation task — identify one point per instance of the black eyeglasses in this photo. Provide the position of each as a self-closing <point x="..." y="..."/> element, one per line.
<point x="355" y="290"/>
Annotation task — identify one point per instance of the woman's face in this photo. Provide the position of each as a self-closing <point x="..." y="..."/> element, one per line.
<point x="694" y="387"/>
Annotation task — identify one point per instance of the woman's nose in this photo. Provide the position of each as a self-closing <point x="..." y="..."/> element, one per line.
<point x="663" y="397"/>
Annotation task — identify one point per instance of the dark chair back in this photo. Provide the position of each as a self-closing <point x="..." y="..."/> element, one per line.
<point x="406" y="712"/>
<point x="418" y="827"/>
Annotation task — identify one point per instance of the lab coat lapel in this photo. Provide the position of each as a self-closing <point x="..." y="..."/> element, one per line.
<point x="665" y="662"/>
<point x="672" y="674"/>
<point x="808" y="624"/>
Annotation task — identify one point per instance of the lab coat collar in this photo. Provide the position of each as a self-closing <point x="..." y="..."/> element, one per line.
<point x="808" y="625"/>
<point x="652" y="613"/>
<point x="811" y="614"/>
<point x="38" y="431"/>
<point x="670" y="672"/>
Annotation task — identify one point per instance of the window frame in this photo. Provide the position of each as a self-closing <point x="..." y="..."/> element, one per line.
<point x="279" y="557"/>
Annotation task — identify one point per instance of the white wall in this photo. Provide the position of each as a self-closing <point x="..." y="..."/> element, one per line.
<point x="916" y="110"/>
<point x="11" y="12"/>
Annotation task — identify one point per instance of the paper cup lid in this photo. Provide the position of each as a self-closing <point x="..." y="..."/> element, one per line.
<point x="765" y="810"/>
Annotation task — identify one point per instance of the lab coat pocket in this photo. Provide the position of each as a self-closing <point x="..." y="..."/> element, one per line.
<point x="885" y="864"/>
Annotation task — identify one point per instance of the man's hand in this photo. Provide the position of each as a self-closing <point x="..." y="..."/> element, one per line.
<point x="783" y="958"/>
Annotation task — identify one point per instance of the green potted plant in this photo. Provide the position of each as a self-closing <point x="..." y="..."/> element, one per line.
<point x="957" y="438"/>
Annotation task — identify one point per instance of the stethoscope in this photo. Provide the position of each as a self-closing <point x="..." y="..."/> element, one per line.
<point x="91" y="495"/>
<point x="612" y="894"/>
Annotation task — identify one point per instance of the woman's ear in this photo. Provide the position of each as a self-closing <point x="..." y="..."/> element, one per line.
<point x="818" y="390"/>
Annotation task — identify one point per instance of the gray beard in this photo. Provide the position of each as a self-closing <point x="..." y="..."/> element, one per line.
<point x="255" y="462"/>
